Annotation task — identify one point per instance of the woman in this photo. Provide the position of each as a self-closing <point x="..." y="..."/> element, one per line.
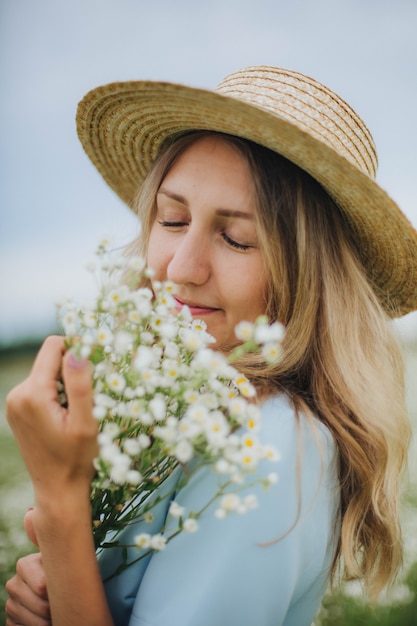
<point x="257" y="198"/>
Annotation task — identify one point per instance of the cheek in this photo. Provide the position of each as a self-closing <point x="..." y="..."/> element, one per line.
<point x="157" y="257"/>
<point x="247" y="299"/>
<point x="254" y="291"/>
<point x="256" y="305"/>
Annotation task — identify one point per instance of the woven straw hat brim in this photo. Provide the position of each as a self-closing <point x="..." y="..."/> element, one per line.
<point x="123" y="125"/>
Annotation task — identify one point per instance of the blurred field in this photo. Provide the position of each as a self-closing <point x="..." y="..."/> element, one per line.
<point x="15" y="489"/>
<point x="343" y="609"/>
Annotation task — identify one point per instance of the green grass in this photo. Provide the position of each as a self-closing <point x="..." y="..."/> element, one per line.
<point x="15" y="498"/>
<point x="15" y="487"/>
<point x="342" y="610"/>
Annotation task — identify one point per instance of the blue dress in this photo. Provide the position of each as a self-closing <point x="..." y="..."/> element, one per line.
<point x="224" y="574"/>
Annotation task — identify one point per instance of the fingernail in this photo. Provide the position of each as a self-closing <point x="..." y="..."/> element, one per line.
<point x="75" y="363"/>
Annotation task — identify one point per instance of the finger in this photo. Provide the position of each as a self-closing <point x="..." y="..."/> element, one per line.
<point x="78" y="386"/>
<point x="32" y="402"/>
<point x="28" y="524"/>
<point x="30" y="570"/>
<point x="48" y="362"/>
<point x="19" y="615"/>
<point x="28" y="602"/>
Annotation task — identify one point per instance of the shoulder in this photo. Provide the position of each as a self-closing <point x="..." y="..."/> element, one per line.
<point x="304" y="462"/>
<point x="304" y="443"/>
<point x="307" y="466"/>
<point x="279" y="418"/>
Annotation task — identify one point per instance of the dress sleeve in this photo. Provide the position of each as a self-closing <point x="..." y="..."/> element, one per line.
<point x="269" y="566"/>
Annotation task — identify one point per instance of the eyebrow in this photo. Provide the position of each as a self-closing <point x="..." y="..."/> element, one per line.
<point x="221" y="212"/>
<point x="174" y="196"/>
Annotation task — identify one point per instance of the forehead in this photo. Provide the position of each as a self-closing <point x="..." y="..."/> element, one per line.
<point x="211" y="161"/>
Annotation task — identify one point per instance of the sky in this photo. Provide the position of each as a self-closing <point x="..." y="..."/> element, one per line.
<point x="54" y="206"/>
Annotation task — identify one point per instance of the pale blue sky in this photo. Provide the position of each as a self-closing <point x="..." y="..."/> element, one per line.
<point x="54" y="206"/>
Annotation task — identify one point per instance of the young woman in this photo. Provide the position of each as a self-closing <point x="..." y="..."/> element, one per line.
<point x="256" y="198"/>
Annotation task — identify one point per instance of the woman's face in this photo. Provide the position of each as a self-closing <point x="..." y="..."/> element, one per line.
<point x="204" y="238"/>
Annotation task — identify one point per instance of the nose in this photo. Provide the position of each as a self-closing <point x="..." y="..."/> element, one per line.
<point x="190" y="262"/>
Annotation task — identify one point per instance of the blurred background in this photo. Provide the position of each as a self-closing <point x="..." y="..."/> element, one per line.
<point x="55" y="207"/>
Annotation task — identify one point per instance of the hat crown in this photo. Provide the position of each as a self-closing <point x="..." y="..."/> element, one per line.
<point x="310" y="106"/>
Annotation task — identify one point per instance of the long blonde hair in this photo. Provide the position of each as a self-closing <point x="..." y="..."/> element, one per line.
<point x="341" y="361"/>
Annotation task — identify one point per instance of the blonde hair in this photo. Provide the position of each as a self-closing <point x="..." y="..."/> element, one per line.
<point x="341" y="361"/>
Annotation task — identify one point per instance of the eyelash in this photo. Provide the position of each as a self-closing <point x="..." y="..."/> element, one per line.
<point x="227" y="239"/>
<point x="235" y="244"/>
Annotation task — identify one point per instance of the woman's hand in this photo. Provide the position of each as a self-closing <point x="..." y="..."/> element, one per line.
<point x="28" y="603"/>
<point x="58" y="444"/>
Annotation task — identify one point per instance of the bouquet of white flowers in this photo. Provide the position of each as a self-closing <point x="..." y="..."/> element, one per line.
<point x="163" y="400"/>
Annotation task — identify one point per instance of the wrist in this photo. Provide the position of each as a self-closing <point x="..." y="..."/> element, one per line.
<point x="65" y="514"/>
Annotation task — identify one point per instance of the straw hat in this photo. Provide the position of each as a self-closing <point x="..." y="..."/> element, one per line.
<point x="123" y="125"/>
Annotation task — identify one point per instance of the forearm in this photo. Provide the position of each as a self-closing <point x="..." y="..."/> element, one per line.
<point x="75" y="589"/>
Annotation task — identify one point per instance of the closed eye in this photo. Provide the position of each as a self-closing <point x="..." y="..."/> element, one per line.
<point x="230" y="242"/>
<point x="235" y="244"/>
<point x="166" y="224"/>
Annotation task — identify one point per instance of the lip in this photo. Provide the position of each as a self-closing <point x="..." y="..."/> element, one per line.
<point x="195" y="308"/>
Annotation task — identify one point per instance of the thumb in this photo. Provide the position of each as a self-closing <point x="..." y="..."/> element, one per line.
<point x="78" y="387"/>
<point x="28" y="524"/>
